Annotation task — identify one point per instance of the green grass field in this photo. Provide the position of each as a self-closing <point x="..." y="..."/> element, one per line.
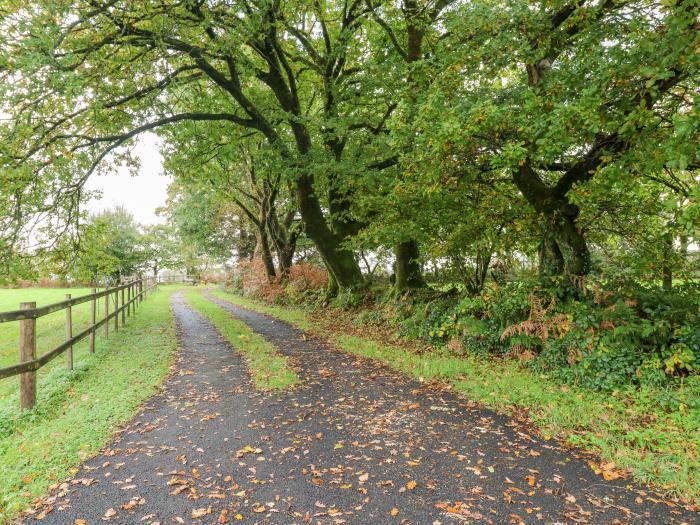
<point x="77" y="411"/>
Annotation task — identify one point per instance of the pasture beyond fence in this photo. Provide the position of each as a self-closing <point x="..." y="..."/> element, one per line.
<point x="124" y="298"/>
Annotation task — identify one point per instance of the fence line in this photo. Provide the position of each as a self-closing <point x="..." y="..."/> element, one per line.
<point x="132" y="294"/>
<point x="176" y="279"/>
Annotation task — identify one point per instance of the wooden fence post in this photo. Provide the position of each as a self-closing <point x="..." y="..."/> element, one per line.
<point x="140" y="291"/>
<point x="116" y="310"/>
<point x="106" y="312"/>
<point x="93" y="319"/>
<point x="27" y="352"/>
<point x="69" y="333"/>
<point x="123" y="309"/>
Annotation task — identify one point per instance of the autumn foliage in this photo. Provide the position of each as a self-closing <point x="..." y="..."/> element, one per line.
<point x="251" y="279"/>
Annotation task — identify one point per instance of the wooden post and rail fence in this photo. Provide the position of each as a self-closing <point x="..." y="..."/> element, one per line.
<point x="125" y="297"/>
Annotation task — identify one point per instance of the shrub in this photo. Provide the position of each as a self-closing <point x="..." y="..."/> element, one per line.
<point x="602" y="335"/>
<point x="305" y="280"/>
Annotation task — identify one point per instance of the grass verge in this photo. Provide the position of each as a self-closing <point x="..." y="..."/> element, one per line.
<point x="632" y="431"/>
<point x="269" y="370"/>
<point x="77" y="412"/>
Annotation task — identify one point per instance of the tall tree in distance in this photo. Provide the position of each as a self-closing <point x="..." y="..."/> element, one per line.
<point x="160" y="248"/>
<point x="109" y="248"/>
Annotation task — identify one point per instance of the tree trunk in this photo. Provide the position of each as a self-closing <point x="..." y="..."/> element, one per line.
<point x="262" y="250"/>
<point x="408" y="270"/>
<point x="284" y="239"/>
<point x="340" y="262"/>
<point x="666" y="263"/>
<point x="286" y="259"/>
<point x="342" y="223"/>
<point x="563" y="249"/>
<point x="332" y="288"/>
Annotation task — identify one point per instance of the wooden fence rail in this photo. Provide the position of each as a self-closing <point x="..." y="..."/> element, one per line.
<point x="132" y="293"/>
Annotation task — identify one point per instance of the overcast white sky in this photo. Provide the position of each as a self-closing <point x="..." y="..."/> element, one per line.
<point x="142" y="194"/>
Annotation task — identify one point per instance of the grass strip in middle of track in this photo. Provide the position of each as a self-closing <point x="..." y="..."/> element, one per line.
<point x="269" y="369"/>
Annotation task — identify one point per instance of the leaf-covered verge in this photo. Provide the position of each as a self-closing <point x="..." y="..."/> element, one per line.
<point x="77" y="412"/>
<point x="269" y="369"/>
<point x="657" y="443"/>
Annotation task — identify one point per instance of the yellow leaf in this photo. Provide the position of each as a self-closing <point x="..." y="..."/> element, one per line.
<point x="394" y="511"/>
<point x="411" y="485"/>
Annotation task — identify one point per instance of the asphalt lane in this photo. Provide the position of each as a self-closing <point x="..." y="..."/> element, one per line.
<point x="354" y="443"/>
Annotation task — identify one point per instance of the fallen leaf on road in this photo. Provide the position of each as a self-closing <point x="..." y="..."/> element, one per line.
<point x="248" y="450"/>
<point x="199" y="513"/>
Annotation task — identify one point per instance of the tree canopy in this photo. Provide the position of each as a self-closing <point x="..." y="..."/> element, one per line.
<point x="462" y="134"/>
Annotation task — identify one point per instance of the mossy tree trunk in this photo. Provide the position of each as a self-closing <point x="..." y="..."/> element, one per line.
<point x="563" y="249"/>
<point x="407" y="268"/>
<point x="340" y="262"/>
